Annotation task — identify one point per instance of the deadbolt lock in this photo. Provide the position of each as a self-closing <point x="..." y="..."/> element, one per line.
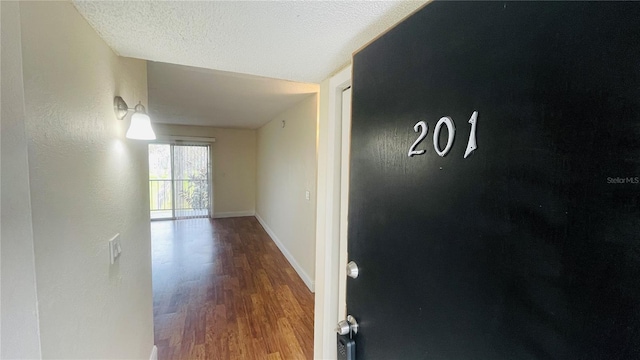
<point x="348" y="326"/>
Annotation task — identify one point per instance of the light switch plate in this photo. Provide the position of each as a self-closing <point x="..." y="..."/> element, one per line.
<point x="114" y="248"/>
<point x="307" y="194"/>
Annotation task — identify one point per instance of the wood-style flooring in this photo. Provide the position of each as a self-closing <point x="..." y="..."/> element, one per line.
<point x="223" y="290"/>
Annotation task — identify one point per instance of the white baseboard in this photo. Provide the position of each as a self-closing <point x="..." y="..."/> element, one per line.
<point x="303" y="275"/>
<point x="154" y="353"/>
<point x="233" y="214"/>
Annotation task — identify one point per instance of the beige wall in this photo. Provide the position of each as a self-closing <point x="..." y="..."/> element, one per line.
<point x="286" y="169"/>
<point x="19" y="337"/>
<point x="87" y="183"/>
<point x="234" y="166"/>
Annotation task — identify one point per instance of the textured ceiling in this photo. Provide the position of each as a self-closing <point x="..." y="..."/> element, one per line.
<point x="195" y="96"/>
<point x="302" y="41"/>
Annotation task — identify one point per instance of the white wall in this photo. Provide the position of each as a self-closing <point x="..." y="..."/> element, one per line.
<point x="87" y="183"/>
<point x="286" y="169"/>
<point x="234" y="166"/>
<point x="19" y="337"/>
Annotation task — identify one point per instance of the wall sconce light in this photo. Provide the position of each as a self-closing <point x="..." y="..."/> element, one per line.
<point x="140" y="127"/>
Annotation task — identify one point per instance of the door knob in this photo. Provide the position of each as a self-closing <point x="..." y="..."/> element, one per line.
<point x="352" y="269"/>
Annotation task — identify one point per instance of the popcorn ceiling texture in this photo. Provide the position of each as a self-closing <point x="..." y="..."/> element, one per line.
<point x="301" y="41"/>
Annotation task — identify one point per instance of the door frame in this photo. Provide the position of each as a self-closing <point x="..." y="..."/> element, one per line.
<point x="329" y="252"/>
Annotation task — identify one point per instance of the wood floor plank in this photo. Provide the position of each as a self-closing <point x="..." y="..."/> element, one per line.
<point x="223" y="290"/>
<point x="274" y="356"/>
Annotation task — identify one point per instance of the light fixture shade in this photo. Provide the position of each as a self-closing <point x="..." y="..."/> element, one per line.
<point x="140" y="128"/>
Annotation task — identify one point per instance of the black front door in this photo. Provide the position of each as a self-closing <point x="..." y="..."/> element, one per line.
<point x="528" y="246"/>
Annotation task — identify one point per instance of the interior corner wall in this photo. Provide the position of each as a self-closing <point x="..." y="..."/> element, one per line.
<point x="19" y="334"/>
<point x="286" y="170"/>
<point x="233" y="156"/>
<point x="87" y="183"/>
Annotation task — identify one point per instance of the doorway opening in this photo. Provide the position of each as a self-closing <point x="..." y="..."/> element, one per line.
<point x="179" y="181"/>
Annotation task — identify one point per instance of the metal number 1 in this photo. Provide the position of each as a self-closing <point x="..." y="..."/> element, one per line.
<point x="471" y="145"/>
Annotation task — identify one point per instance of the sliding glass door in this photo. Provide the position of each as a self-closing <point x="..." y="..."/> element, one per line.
<point x="179" y="181"/>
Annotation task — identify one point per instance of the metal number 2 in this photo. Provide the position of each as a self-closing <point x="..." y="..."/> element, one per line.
<point x="423" y="134"/>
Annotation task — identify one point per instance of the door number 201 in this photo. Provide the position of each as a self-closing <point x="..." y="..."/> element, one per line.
<point x="422" y="127"/>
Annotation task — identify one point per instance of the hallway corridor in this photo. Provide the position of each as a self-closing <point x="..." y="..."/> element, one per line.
<point x="223" y="290"/>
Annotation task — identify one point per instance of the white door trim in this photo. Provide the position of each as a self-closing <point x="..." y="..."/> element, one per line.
<point x="328" y="215"/>
<point x="344" y="203"/>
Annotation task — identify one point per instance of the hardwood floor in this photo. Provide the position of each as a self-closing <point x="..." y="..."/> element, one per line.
<point x="223" y="290"/>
